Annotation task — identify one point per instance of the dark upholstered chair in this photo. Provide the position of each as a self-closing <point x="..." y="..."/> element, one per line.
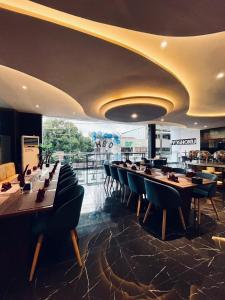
<point x="114" y="176"/>
<point x="107" y="175"/>
<point x="123" y="181"/>
<point x="158" y="163"/>
<point x="163" y="197"/>
<point x="205" y="191"/>
<point x="136" y="186"/>
<point x="65" y="183"/>
<point x="66" y="174"/>
<point x="64" y="218"/>
<point x="179" y="170"/>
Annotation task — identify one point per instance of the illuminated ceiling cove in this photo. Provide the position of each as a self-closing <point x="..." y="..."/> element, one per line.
<point x="88" y="60"/>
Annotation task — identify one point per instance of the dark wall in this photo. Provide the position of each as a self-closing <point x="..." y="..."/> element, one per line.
<point x="213" y="139"/>
<point x="14" y="124"/>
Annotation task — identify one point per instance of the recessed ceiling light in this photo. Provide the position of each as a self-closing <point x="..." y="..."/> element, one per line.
<point x="162" y="120"/>
<point x="134" y="116"/>
<point x="37" y="106"/>
<point x="205" y="126"/>
<point x="195" y="123"/>
<point x="163" y="44"/>
<point x="220" y="75"/>
<point x="24" y="87"/>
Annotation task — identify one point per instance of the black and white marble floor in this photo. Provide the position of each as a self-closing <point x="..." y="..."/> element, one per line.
<point x="125" y="260"/>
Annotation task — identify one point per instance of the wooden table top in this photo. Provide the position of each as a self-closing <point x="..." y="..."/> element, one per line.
<point x="13" y="202"/>
<point x="184" y="182"/>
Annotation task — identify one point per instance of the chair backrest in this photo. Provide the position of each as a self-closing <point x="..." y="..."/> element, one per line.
<point x="122" y="176"/>
<point x="161" y="195"/>
<point x="64" y="183"/>
<point x="210" y="188"/>
<point x="66" y="216"/>
<point x="64" y="168"/>
<point x="136" y="183"/>
<point x="107" y="170"/>
<point x="114" y="173"/>
<point x="66" y="174"/>
<point x="158" y="163"/>
<point x="179" y="170"/>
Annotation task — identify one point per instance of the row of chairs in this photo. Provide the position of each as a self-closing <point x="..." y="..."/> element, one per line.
<point x="161" y="196"/>
<point x="63" y="218"/>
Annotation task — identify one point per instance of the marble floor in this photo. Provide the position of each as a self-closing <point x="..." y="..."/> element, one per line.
<point x="125" y="259"/>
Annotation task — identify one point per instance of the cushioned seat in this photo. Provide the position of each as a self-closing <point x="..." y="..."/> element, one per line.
<point x="205" y="191"/>
<point x="64" y="218"/>
<point x="136" y="186"/>
<point x="163" y="197"/>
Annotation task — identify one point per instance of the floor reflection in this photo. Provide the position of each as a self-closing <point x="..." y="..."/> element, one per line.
<point x="124" y="260"/>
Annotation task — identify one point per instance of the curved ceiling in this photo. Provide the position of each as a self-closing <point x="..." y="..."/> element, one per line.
<point x="135" y="112"/>
<point x="29" y="94"/>
<point x="119" y="63"/>
<point x="162" y="17"/>
<point x="90" y="70"/>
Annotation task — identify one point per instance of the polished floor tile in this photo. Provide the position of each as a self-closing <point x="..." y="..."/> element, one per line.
<point x="126" y="260"/>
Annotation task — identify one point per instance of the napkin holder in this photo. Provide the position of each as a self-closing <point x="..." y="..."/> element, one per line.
<point x="6" y="186"/>
<point x="40" y="195"/>
<point x="28" y="171"/>
<point x="27" y="186"/>
<point x="148" y="171"/>
<point x="173" y="178"/>
<point x="47" y="182"/>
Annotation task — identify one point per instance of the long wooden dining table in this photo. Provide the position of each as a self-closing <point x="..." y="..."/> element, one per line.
<point x="184" y="186"/>
<point x="14" y="202"/>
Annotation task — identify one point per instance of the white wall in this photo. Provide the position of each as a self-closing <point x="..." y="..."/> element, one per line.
<point x="183" y="133"/>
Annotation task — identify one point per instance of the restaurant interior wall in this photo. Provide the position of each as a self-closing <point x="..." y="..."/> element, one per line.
<point x="213" y="139"/>
<point x="13" y="125"/>
<point x="177" y="151"/>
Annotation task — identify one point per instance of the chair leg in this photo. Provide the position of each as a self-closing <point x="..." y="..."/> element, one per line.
<point x="199" y="212"/>
<point x="182" y="218"/>
<point x="128" y="201"/>
<point x="124" y="193"/>
<point x="214" y="207"/>
<point x="111" y="186"/>
<point x="36" y="254"/>
<point x="108" y="181"/>
<point x="164" y="225"/>
<point x="75" y="247"/>
<point x="147" y="211"/>
<point x="139" y="205"/>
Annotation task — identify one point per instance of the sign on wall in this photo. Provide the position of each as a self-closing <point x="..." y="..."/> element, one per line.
<point x="192" y="141"/>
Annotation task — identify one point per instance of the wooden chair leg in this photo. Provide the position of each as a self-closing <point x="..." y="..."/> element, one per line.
<point x="147" y="211"/>
<point x="139" y="206"/>
<point x="214" y="207"/>
<point x="164" y="225"/>
<point x="75" y="247"/>
<point x="182" y="218"/>
<point x="128" y="201"/>
<point x="36" y="254"/>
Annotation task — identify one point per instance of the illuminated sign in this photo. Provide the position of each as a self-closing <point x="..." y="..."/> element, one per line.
<point x="184" y="142"/>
